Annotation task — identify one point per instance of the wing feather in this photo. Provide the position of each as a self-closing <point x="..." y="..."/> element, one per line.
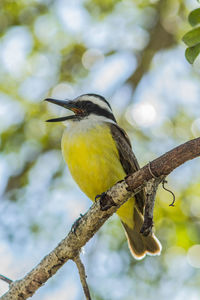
<point x="127" y="158"/>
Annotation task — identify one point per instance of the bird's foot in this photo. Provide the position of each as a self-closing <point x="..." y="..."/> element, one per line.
<point x="98" y="197"/>
<point x="105" y="201"/>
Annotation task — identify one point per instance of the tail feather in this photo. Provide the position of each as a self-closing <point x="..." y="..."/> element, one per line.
<point x="140" y="245"/>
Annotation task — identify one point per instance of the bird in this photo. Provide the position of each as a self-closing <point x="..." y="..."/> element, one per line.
<point x="98" y="153"/>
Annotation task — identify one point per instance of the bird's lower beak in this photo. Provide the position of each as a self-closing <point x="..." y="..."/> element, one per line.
<point x="68" y="104"/>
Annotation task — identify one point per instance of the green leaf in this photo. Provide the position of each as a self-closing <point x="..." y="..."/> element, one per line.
<point x="191" y="53"/>
<point x="194" y="17"/>
<point x="192" y="37"/>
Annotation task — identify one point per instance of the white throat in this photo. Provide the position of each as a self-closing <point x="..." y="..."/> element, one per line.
<point x="85" y="124"/>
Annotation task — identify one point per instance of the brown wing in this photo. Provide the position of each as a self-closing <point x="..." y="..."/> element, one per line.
<point x="127" y="158"/>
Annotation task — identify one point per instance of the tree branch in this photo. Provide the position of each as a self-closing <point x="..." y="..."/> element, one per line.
<point x="95" y="217"/>
<point x="82" y="274"/>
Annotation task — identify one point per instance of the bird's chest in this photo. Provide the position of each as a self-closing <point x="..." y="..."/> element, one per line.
<point x="92" y="158"/>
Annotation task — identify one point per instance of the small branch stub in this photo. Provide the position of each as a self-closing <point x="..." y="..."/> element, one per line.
<point x="150" y="189"/>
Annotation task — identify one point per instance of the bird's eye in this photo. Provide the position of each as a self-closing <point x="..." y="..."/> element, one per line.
<point x="87" y="105"/>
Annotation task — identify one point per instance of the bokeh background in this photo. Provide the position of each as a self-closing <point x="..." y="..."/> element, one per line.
<point x="130" y="52"/>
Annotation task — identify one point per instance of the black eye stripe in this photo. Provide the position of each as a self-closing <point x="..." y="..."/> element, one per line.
<point x="99" y="97"/>
<point x="91" y="108"/>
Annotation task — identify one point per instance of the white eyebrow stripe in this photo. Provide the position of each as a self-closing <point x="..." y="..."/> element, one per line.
<point x="84" y="124"/>
<point x="95" y="100"/>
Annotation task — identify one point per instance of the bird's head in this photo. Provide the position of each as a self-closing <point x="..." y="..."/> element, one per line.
<point x="86" y="106"/>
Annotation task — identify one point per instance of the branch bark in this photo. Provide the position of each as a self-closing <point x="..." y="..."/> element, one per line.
<point x="100" y="211"/>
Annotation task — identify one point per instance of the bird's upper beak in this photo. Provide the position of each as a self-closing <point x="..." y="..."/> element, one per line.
<point x="68" y="104"/>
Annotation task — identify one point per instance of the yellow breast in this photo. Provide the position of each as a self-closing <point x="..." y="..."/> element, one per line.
<point x="93" y="160"/>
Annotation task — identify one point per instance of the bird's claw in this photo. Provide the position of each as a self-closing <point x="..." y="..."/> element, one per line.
<point x="105" y="201"/>
<point x="97" y="197"/>
<point x="100" y="198"/>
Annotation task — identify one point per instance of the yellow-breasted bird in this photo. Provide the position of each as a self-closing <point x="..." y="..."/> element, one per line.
<point x="98" y="153"/>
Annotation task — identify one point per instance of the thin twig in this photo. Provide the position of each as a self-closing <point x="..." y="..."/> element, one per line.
<point x="83" y="276"/>
<point x="174" y="198"/>
<point x="6" y="279"/>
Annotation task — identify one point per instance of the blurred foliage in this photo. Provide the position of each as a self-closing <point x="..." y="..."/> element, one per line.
<point x="130" y="52"/>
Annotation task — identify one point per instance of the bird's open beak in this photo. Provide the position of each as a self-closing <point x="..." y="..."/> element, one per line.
<point x="68" y="104"/>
